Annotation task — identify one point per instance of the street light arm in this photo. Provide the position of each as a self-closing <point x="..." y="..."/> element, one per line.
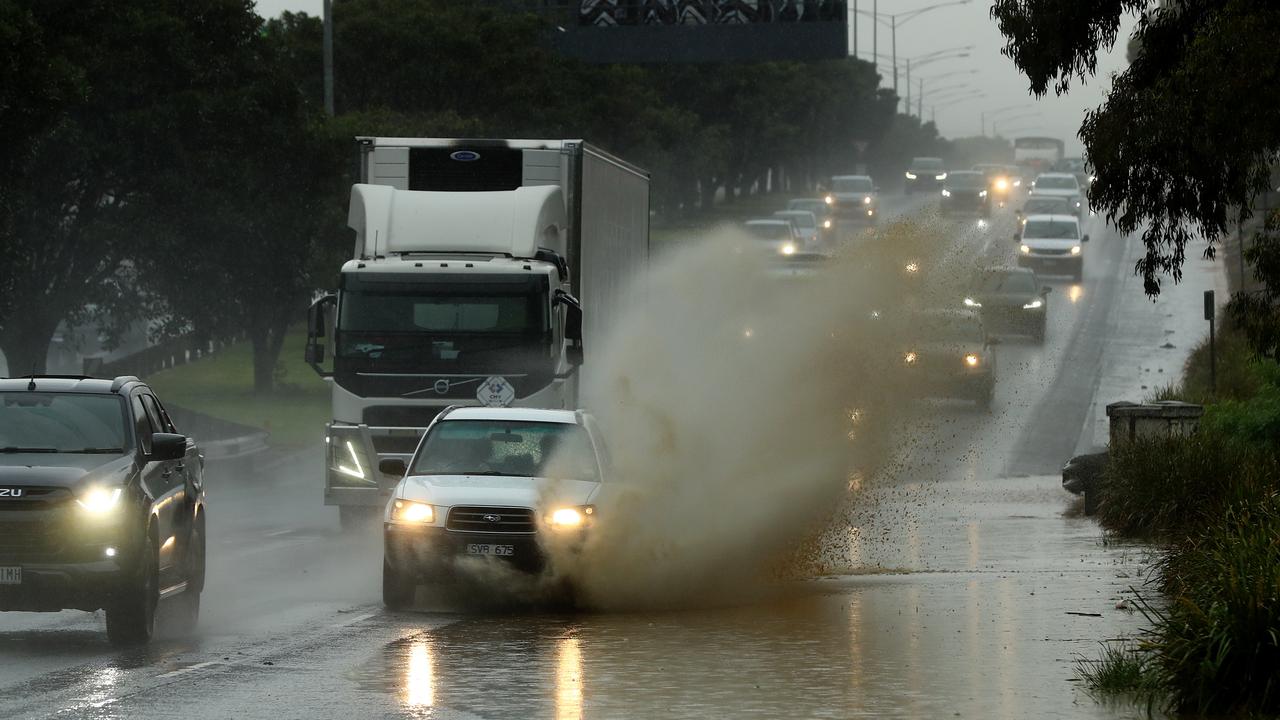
<point x="913" y="14"/>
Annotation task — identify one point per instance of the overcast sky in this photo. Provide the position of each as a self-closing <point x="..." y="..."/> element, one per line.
<point x="993" y="84"/>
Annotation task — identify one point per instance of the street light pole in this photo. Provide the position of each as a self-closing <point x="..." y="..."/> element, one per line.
<point x="875" y="34"/>
<point x="328" y="57"/>
<point x="855" y="28"/>
<point x="893" y="37"/>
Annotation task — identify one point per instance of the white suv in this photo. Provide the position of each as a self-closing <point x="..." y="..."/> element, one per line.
<point x="1060" y="185"/>
<point x="1049" y="243"/>
<point x="489" y="483"/>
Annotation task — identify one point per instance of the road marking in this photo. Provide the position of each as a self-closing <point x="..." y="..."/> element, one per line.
<point x="354" y="620"/>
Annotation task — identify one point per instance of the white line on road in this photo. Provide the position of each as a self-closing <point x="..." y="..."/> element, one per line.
<point x="354" y="620"/>
<point x="188" y="669"/>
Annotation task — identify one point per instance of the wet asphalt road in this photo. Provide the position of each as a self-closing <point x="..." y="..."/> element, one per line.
<point x="952" y="591"/>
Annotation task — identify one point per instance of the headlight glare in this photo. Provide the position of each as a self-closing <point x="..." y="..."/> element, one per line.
<point x="866" y="200"/>
<point x="1075" y="249"/>
<point x="1026" y="250"/>
<point x="942" y="176"/>
<point x="1034" y="304"/>
<point x="826" y="224"/>
<point x="412" y="512"/>
<point x="971" y="360"/>
<point x="100" y="500"/>
<point x="787" y="249"/>
<point x="982" y="193"/>
<point x="830" y="200"/>
<point x="571" y="518"/>
<point x="970" y="302"/>
<point x="946" y="192"/>
<point x="911" y="175"/>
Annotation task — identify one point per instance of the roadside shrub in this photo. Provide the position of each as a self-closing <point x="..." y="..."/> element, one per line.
<point x="1240" y="373"/>
<point x="1217" y="644"/>
<point x="1170" y="486"/>
<point x="1256" y="420"/>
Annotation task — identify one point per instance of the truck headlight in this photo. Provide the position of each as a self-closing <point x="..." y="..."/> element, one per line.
<point x="1033" y="305"/>
<point x="100" y="500"/>
<point x="942" y="176"/>
<point x="1075" y="249"/>
<point x="911" y="175"/>
<point x="571" y="518"/>
<point x="347" y="461"/>
<point x="1025" y="250"/>
<point x="408" y="511"/>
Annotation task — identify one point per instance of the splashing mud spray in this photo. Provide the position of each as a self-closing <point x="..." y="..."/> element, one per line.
<point x="737" y="405"/>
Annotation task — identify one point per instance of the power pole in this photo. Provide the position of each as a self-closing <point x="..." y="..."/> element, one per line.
<point x="855" y="28"/>
<point x="920" y="101"/>
<point x="328" y="57"/>
<point x="908" y="86"/>
<point x="875" y="34"/>
<point x="893" y="38"/>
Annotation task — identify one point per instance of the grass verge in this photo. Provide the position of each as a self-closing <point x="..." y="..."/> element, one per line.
<point x="222" y="386"/>
<point x="1212" y="500"/>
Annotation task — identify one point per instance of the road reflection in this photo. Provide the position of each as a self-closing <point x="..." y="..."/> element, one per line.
<point x="569" y="680"/>
<point x="419" y="681"/>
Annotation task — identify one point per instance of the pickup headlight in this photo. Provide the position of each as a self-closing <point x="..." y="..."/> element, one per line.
<point x="1075" y="249"/>
<point x="100" y="500"/>
<point x="407" y="511"/>
<point x="1026" y="250"/>
<point x="787" y="249"/>
<point x="970" y="302"/>
<point x="946" y="192"/>
<point x="911" y="175"/>
<point x="942" y="176"/>
<point x="571" y="518"/>
<point x="1033" y="305"/>
<point x="866" y="200"/>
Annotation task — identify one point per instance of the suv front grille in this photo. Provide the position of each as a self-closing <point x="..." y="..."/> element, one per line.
<point x="28" y="540"/>
<point x="499" y="520"/>
<point x="1051" y="251"/>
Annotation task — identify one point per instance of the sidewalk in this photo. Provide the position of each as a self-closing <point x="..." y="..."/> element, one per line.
<point x="1153" y="337"/>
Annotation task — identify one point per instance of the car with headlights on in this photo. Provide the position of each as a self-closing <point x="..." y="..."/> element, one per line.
<point x="1052" y="245"/>
<point x="1010" y="299"/>
<point x="855" y="197"/>
<point x="1061" y="185"/>
<point x="945" y="353"/>
<point x="925" y="174"/>
<point x="1002" y="181"/>
<point x="774" y="236"/>
<point x="827" y="221"/>
<point x="101" y="503"/>
<point x="806" y="225"/>
<point x="966" y="191"/>
<point x="489" y="485"/>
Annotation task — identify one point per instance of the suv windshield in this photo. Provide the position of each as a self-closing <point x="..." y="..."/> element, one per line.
<point x="770" y="231"/>
<point x="1051" y="230"/>
<point x="1012" y="283"/>
<point x="852" y="185"/>
<point x="1050" y="182"/>
<point x="929" y="164"/>
<point x="62" y="423"/>
<point x="1044" y="206"/>
<point x="501" y="447"/>
<point x="966" y="180"/>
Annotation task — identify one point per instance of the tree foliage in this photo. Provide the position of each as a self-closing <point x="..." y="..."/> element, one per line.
<point x="1188" y="132"/>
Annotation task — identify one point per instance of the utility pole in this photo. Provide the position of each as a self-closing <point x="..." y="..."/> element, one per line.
<point x="855" y="28"/>
<point x="875" y="34"/>
<point x="328" y="57"/>
<point x="920" y="101"/>
<point x="982" y="124"/>
<point x="908" y="86"/>
<point x="893" y="38"/>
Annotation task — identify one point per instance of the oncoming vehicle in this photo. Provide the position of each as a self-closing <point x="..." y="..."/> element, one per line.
<point x="775" y="235"/>
<point x="821" y="210"/>
<point x="925" y="173"/>
<point x="854" y="196"/>
<point x="1050" y="243"/>
<point x="806" y="224"/>
<point x="1038" y="154"/>
<point x="1002" y="180"/>
<point x="966" y="191"/>
<point x="947" y="354"/>
<point x="1044" y="205"/>
<point x="1060" y="185"/>
<point x="101" y="503"/>
<point x="490" y="484"/>
<point x="1010" y="299"/>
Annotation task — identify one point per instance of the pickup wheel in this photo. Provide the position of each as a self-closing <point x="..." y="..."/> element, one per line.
<point x="131" y="617"/>
<point x="188" y="603"/>
<point x="398" y="589"/>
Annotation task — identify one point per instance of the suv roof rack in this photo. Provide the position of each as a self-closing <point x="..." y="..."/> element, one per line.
<point x="123" y="380"/>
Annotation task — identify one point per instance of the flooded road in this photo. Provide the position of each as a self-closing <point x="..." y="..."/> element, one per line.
<point x="958" y="583"/>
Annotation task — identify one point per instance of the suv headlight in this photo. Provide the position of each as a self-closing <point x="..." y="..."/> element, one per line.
<point x="942" y="176"/>
<point x="407" y="511"/>
<point x="911" y="175"/>
<point x="571" y="518"/>
<point x="1033" y="305"/>
<point x="866" y="200"/>
<point x="100" y="500"/>
<point x="1026" y="249"/>
<point x="787" y="249"/>
<point x="1075" y="249"/>
<point x="946" y="192"/>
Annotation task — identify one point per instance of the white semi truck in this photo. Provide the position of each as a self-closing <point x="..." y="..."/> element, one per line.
<point x="483" y="271"/>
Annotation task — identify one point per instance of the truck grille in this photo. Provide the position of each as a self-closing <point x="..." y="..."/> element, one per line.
<point x="27" y="540"/>
<point x="482" y="519"/>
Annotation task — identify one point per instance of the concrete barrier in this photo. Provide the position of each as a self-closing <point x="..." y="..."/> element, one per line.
<point x="1133" y="421"/>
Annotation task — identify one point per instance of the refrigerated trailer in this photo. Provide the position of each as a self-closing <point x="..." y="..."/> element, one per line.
<point x="482" y="274"/>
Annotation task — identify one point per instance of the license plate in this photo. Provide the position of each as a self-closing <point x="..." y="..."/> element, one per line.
<point x="10" y="576"/>
<point x="487" y="549"/>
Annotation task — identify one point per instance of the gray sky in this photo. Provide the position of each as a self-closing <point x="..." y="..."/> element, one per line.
<point x="996" y="79"/>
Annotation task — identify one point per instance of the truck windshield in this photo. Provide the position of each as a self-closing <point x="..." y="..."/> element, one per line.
<point x="499" y="447"/>
<point x="62" y="423"/>
<point x="439" y="316"/>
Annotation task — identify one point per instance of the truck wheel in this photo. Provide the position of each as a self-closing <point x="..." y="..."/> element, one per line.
<point x="357" y="518"/>
<point x="398" y="590"/>
<point x="131" y="617"/>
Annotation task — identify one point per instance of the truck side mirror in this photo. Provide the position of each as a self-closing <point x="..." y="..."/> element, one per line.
<point x="572" y="316"/>
<point x="1084" y="239"/>
<point x="313" y="354"/>
<point x="318" y="327"/>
